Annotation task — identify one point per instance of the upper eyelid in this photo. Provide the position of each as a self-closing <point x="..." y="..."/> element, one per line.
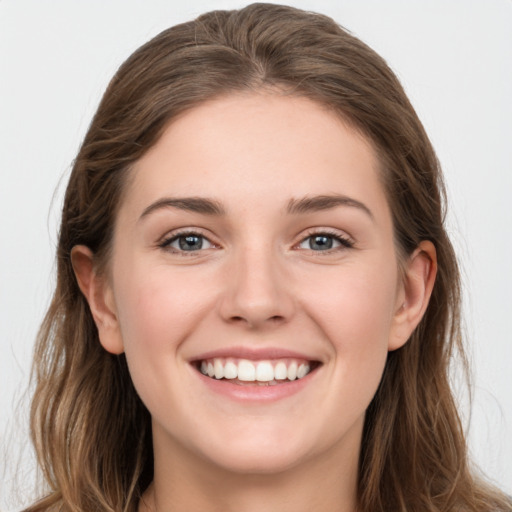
<point x="344" y="243"/>
<point x="169" y="237"/>
<point x="334" y="232"/>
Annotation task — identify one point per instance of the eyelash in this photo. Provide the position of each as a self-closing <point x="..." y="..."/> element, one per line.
<point x="166" y="242"/>
<point x="344" y="241"/>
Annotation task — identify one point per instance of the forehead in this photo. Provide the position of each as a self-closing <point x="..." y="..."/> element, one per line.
<point x="260" y="147"/>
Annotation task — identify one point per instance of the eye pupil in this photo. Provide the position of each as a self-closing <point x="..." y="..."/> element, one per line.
<point x="190" y="242"/>
<point x="320" y="242"/>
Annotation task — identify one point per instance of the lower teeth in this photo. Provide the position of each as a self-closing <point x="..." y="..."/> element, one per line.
<point x="255" y="382"/>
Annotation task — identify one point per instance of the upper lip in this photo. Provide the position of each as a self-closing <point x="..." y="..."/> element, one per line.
<point x="254" y="354"/>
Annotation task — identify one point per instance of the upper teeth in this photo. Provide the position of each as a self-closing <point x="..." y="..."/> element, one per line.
<point x="254" y="371"/>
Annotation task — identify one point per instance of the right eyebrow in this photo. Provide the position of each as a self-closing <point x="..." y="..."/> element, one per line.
<point x="192" y="204"/>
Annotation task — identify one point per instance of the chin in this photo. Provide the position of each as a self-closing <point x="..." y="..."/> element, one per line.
<point x="257" y="461"/>
<point x="265" y="451"/>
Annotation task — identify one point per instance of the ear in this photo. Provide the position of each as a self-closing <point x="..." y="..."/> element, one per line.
<point x="98" y="292"/>
<point x="418" y="279"/>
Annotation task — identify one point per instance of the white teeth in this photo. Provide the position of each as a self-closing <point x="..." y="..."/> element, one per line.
<point x="280" y="371"/>
<point x="302" y="371"/>
<point x="246" y="371"/>
<point x="218" y="368"/>
<point x="292" y="371"/>
<point x="263" y="372"/>
<point x="230" y="370"/>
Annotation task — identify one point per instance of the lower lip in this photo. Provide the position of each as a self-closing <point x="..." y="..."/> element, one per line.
<point x="256" y="393"/>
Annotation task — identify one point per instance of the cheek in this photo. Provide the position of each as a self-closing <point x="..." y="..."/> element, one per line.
<point x="157" y="312"/>
<point x="157" y="309"/>
<point x="356" y="308"/>
<point x="355" y="315"/>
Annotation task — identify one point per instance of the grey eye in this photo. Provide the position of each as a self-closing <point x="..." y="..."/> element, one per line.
<point x="190" y="242"/>
<point x="322" y="242"/>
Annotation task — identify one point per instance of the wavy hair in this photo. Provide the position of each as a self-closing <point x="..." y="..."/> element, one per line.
<point x="91" y="431"/>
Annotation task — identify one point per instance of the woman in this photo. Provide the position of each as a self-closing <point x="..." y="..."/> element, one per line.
<point x="256" y="300"/>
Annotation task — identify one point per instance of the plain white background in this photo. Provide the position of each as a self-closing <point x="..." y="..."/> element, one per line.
<point x="455" y="61"/>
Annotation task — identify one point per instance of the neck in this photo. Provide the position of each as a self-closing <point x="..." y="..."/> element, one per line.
<point x="185" y="483"/>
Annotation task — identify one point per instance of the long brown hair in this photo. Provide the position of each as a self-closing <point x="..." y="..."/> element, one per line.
<point x="91" y="431"/>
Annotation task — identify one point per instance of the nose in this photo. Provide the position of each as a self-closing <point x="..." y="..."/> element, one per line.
<point x="257" y="292"/>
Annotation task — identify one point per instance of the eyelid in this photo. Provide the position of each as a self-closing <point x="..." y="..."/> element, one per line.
<point x="346" y="241"/>
<point x="165" y="241"/>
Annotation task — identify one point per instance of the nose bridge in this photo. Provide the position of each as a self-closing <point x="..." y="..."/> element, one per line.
<point x="256" y="289"/>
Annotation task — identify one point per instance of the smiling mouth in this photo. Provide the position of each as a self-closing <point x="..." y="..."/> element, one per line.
<point x="261" y="373"/>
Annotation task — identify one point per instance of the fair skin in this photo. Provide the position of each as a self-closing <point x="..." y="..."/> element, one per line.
<point x="256" y="230"/>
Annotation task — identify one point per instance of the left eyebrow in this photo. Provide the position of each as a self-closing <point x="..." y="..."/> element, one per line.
<point x="325" y="202"/>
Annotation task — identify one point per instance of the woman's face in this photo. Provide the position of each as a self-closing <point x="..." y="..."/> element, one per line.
<point x="255" y="242"/>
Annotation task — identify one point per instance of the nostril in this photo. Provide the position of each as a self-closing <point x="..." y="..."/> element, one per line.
<point x="271" y="319"/>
